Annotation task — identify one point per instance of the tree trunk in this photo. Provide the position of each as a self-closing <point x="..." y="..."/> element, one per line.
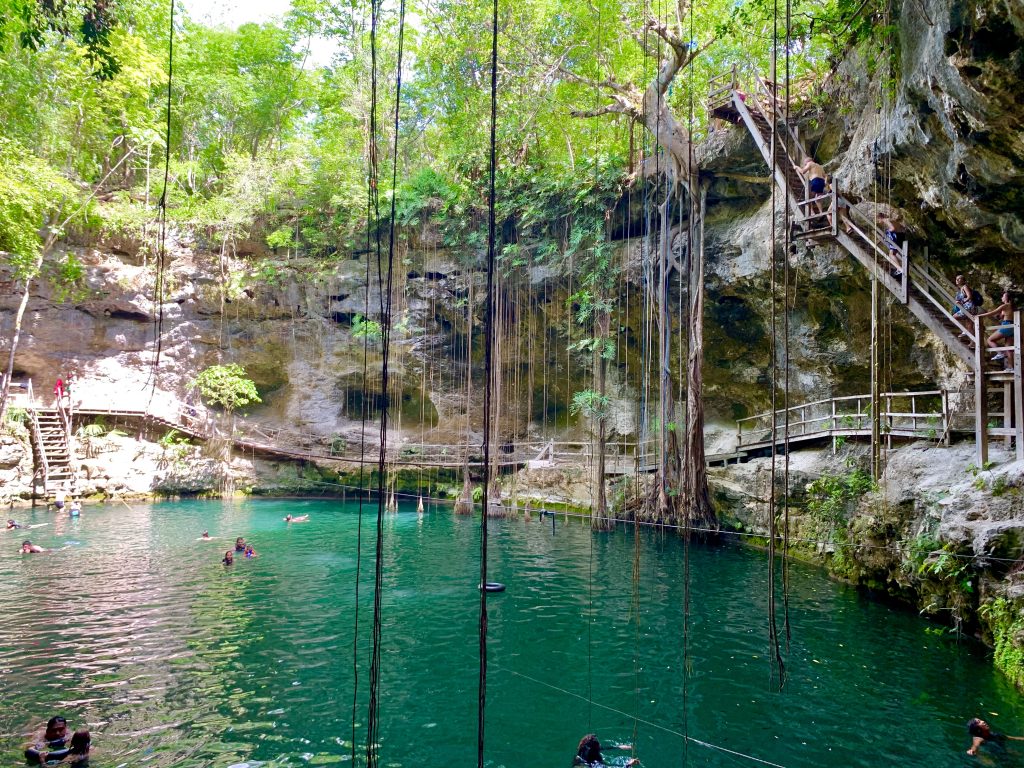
<point x="14" y="340"/>
<point x="599" y="520"/>
<point x="698" y="511"/>
<point x="665" y="509"/>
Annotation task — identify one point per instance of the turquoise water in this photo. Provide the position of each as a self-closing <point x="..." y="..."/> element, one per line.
<point x="132" y="627"/>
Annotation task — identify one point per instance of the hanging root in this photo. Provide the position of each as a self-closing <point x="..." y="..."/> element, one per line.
<point x="464" y="504"/>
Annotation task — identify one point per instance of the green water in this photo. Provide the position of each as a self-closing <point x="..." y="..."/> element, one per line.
<point x="132" y="627"/>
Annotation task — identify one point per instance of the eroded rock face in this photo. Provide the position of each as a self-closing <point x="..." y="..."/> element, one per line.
<point x="15" y="466"/>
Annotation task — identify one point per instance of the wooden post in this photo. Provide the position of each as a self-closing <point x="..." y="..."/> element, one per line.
<point x="980" y="399"/>
<point x="835" y="209"/>
<point x="876" y="458"/>
<point x="1007" y="424"/>
<point x="945" y="423"/>
<point x="905" y="276"/>
<point x="833" y="426"/>
<point x="1018" y="389"/>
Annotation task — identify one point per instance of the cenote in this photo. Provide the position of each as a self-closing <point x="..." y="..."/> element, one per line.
<point x="133" y="627"/>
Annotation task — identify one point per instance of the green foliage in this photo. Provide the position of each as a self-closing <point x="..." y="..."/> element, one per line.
<point x="90" y="430"/>
<point x="176" y="448"/>
<point x="265" y="147"/>
<point x="282" y="237"/>
<point x="929" y="558"/>
<point x="173" y="437"/>
<point x="226" y="386"/>
<point x="589" y="403"/>
<point x="364" y="328"/>
<point x="30" y="193"/>
<point x="974" y="471"/>
<point x="1006" y="622"/>
<point x="828" y="503"/>
<point x="17" y="415"/>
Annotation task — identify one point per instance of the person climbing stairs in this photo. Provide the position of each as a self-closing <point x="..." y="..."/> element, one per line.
<point x="825" y="216"/>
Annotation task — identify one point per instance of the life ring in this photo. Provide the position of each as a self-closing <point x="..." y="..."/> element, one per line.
<point x="494" y="586"/>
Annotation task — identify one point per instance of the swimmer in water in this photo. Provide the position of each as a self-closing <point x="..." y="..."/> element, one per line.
<point x="299" y="519"/>
<point x="240" y="544"/>
<point x="11" y="525"/>
<point x="250" y="552"/>
<point x="28" y="548"/>
<point x="206" y="535"/>
<point x="982" y="733"/>
<point x="75" y="509"/>
<point x="589" y="752"/>
<point x="229" y="558"/>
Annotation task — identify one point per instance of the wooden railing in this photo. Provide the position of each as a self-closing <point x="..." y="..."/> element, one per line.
<point x="901" y="415"/>
<point x="37" y="434"/>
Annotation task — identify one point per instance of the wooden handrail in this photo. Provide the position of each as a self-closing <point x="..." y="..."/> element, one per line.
<point x="833" y="417"/>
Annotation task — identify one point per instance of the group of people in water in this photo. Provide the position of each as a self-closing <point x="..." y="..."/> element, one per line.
<point x="247" y="550"/>
<point x="59" y="504"/>
<point x="53" y="744"/>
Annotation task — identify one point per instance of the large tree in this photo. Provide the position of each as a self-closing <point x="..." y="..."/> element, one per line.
<point x="673" y="154"/>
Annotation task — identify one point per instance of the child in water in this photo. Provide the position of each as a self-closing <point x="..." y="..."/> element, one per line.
<point x="229" y="557"/>
<point x="250" y="552"/>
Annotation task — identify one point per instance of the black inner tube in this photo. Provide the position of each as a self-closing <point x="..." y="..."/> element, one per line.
<point x="494" y="586"/>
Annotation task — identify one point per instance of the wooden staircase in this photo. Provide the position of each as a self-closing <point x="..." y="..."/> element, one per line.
<point x="53" y="448"/>
<point x="927" y="294"/>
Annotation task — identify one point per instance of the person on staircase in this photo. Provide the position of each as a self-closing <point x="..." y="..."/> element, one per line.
<point x="1003" y="335"/>
<point x="964" y="303"/>
<point x="814" y="174"/>
<point x="894" y="238"/>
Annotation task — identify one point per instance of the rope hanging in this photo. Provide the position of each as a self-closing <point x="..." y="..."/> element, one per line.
<point x="488" y="363"/>
<point x="385" y="289"/>
<point x="161" y="258"/>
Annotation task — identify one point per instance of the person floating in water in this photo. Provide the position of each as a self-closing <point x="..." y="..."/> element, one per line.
<point x="981" y="733"/>
<point x="205" y="536"/>
<point x="12" y="525"/>
<point x="589" y="752"/>
<point x="229" y="558"/>
<point x="250" y="552"/>
<point x="28" y="548"/>
<point x="298" y="519"/>
<point x="240" y="544"/>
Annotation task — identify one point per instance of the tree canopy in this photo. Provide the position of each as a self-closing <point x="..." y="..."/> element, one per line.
<point x="261" y="140"/>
